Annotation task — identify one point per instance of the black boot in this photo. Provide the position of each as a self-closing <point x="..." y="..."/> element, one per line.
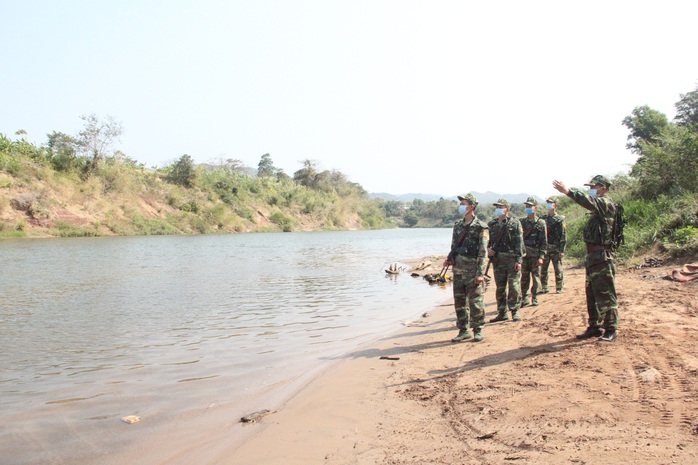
<point x="590" y="332"/>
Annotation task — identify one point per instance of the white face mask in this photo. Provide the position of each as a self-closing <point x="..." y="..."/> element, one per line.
<point x="462" y="209"/>
<point x="499" y="211"/>
<point x="550" y="206"/>
<point x="592" y="193"/>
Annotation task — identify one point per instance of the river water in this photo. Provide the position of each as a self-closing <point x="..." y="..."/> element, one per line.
<point x="181" y="330"/>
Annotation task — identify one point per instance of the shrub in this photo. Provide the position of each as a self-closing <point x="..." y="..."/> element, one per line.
<point x="67" y="230"/>
<point x="284" y="222"/>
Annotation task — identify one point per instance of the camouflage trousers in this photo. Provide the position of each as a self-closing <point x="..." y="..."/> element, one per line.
<point x="530" y="271"/>
<point x="469" y="300"/>
<point x="602" y="303"/>
<point x="508" y="282"/>
<point x="554" y="257"/>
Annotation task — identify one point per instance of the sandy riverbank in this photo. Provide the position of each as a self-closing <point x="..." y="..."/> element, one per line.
<point x="530" y="393"/>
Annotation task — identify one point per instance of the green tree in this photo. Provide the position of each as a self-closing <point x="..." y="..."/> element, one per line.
<point x="667" y="153"/>
<point x="645" y="125"/>
<point x="182" y="172"/>
<point x="63" y="151"/>
<point x="411" y="219"/>
<point x="392" y="208"/>
<point x="307" y="175"/>
<point x="687" y="110"/>
<point x="266" y="166"/>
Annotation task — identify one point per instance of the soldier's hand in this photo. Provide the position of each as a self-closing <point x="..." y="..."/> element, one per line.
<point x="447" y="262"/>
<point x="562" y="255"/>
<point x="490" y="252"/>
<point x="540" y="262"/>
<point x="517" y="267"/>
<point x="479" y="279"/>
<point x="560" y="187"/>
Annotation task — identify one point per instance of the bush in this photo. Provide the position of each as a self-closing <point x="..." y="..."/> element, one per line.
<point x="284" y="222"/>
<point x="152" y="226"/>
<point x="67" y="230"/>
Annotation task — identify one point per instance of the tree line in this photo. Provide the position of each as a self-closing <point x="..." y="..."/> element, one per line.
<point x="659" y="193"/>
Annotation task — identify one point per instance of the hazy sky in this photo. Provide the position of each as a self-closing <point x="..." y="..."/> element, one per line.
<point x="440" y="97"/>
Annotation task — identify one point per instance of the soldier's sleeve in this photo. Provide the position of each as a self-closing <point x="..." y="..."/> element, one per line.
<point x="563" y="234"/>
<point x="602" y="206"/>
<point x="482" y="251"/>
<point x="543" y="238"/>
<point x="581" y="198"/>
<point x="518" y="242"/>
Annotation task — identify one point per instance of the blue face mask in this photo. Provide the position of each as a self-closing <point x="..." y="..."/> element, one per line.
<point x="462" y="209"/>
<point x="529" y="211"/>
<point x="499" y="211"/>
<point x="550" y="206"/>
<point x="592" y="193"/>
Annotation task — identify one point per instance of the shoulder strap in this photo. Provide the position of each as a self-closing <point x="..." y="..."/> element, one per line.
<point x="499" y="236"/>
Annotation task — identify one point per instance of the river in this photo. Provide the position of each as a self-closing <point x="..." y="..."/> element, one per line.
<point x="177" y="330"/>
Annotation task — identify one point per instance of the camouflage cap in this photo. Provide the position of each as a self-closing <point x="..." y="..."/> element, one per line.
<point x="599" y="180"/>
<point x="470" y="198"/>
<point x="502" y="203"/>
<point x="531" y="201"/>
<point x="550" y="200"/>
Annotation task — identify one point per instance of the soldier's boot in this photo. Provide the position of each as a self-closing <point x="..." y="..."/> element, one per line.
<point x="515" y="315"/>
<point x="590" y="332"/>
<point x="524" y="301"/>
<point x="559" y="290"/>
<point x="610" y="335"/>
<point x="478" y="335"/>
<point x="501" y="316"/>
<point x="463" y="335"/>
<point x="544" y="291"/>
<point x="534" y="301"/>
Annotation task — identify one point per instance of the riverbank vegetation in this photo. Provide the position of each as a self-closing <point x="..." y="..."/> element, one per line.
<point x="82" y="185"/>
<point x="78" y="186"/>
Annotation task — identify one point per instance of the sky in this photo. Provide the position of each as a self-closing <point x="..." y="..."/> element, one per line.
<point x="433" y="97"/>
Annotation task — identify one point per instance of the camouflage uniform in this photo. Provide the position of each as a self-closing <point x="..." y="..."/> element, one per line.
<point x="557" y="242"/>
<point x="469" y="263"/>
<point x="602" y="303"/>
<point x="509" y="251"/>
<point x="535" y="240"/>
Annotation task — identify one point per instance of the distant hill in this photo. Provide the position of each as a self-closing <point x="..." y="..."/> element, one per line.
<point x="484" y="198"/>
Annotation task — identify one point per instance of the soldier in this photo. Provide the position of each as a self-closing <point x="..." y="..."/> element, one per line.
<point x="557" y="242"/>
<point x="535" y="240"/>
<point x="602" y="304"/>
<point x="468" y="251"/>
<point x="505" y="250"/>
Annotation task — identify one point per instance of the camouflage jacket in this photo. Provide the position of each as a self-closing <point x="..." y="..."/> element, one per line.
<point x="473" y="249"/>
<point x="598" y="229"/>
<point x="557" y="232"/>
<point x="535" y="236"/>
<point x="512" y="238"/>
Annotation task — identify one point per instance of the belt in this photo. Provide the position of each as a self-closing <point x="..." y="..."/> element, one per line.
<point x="596" y="248"/>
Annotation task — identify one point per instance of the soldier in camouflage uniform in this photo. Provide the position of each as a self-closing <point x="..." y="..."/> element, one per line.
<point x="557" y="242"/>
<point x="602" y="304"/>
<point x="467" y="256"/>
<point x="535" y="240"/>
<point x="505" y="249"/>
